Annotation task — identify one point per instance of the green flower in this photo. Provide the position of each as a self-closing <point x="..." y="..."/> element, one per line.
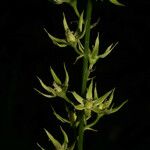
<point x="92" y="103"/>
<point x="59" y="89"/>
<point x="72" y="3"/>
<point x="71" y="38"/>
<point x="94" y="55"/>
<point x="57" y="144"/>
<point x="72" y="117"/>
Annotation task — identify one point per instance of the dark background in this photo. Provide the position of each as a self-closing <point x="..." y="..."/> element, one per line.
<point x="26" y="51"/>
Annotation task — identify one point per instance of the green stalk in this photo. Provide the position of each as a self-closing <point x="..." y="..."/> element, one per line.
<point x="85" y="70"/>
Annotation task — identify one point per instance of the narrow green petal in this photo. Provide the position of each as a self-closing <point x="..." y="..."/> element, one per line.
<point x="89" y="94"/>
<point x="73" y="4"/>
<point x="72" y="117"/>
<point x="72" y="146"/>
<point x="59" y="117"/>
<point x="79" y="57"/>
<point x="102" y="98"/>
<point x="113" y="110"/>
<point x="96" y="48"/>
<point x="86" y="128"/>
<point x="43" y="84"/>
<point x="116" y="2"/>
<point x="87" y="113"/>
<point x="95" y="93"/>
<point x="65" y="144"/>
<point x="58" y="2"/>
<point x="40" y="146"/>
<point x="66" y="27"/>
<point x="109" y="101"/>
<point x="61" y="42"/>
<point x="67" y="77"/>
<point x="83" y="33"/>
<point x="78" y="98"/>
<point x="80" y="24"/>
<point x="55" y="77"/>
<point x="53" y="140"/>
<point x="80" y="46"/>
<point x="45" y="95"/>
<point x="79" y="107"/>
<point x="95" y="24"/>
<point x="94" y="121"/>
<point x="47" y="88"/>
<point x="108" y="51"/>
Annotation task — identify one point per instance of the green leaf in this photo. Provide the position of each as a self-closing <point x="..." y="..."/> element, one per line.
<point x="55" y="77"/>
<point x="115" y="2"/>
<point x="89" y="94"/>
<point x="78" y="98"/>
<point x="53" y="140"/>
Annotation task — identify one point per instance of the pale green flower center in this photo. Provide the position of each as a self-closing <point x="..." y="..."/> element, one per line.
<point x="57" y="87"/>
<point x="88" y="104"/>
<point x="70" y="37"/>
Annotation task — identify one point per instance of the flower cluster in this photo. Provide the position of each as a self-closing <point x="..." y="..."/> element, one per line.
<point x="72" y="38"/>
<point x="92" y="103"/>
<point x="59" y="89"/>
<point x="57" y="144"/>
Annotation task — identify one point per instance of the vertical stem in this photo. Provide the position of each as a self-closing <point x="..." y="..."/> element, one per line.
<point x="86" y="47"/>
<point x="85" y="70"/>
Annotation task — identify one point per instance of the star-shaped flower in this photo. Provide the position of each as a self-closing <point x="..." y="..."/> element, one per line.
<point x="57" y="144"/>
<point x="94" y="55"/>
<point x="72" y="3"/>
<point x="72" y="117"/>
<point x="59" y="89"/>
<point x="71" y="38"/>
<point x="92" y="103"/>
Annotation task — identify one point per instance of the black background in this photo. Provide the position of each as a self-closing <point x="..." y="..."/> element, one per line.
<point x="26" y="51"/>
